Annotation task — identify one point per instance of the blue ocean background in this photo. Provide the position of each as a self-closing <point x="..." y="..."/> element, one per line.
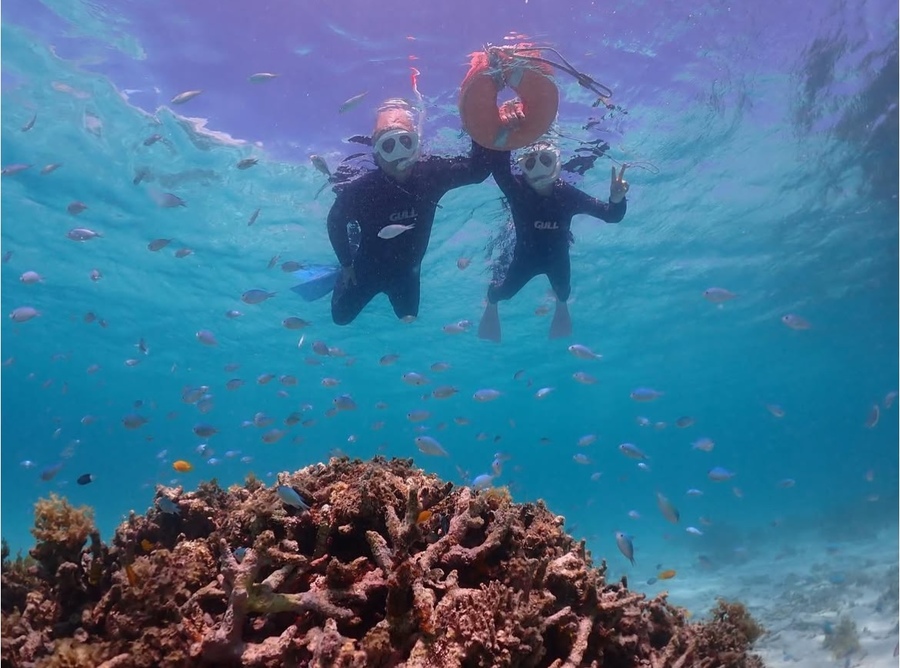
<point x="764" y="143"/>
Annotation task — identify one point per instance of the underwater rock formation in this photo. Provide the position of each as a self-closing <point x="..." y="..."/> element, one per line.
<point x="389" y="567"/>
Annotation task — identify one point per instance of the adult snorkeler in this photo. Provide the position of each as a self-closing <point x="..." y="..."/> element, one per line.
<point x="394" y="207"/>
<point x="542" y="208"/>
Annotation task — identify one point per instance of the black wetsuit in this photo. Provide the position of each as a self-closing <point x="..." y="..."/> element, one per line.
<point x="374" y="201"/>
<point x="542" y="229"/>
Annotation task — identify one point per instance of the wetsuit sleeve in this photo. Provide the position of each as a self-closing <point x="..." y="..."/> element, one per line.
<point x="338" y="219"/>
<point x="466" y="170"/>
<point x="581" y="202"/>
<point x="502" y="171"/>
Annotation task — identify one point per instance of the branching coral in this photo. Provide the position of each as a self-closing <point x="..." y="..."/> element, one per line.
<point x="363" y="578"/>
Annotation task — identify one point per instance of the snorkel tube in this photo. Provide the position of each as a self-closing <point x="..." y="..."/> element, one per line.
<point x="420" y="121"/>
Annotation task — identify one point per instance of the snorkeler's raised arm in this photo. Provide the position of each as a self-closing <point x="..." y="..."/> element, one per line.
<point x="611" y="212"/>
<point x="465" y="170"/>
<point x="501" y="168"/>
<point x="338" y="218"/>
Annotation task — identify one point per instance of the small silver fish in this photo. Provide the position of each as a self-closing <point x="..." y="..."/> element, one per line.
<point x="583" y="352"/>
<point x="256" y="296"/>
<point x="344" y="402"/>
<point x="31" y="277"/>
<point x="29" y="124"/>
<point x="391" y="231"/>
<point x="626" y="547"/>
<point x="247" y="163"/>
<point x="414" y="378"/>
<point x="872" y="417"/>
<point x="52" y="167"/>
<point x="645" y="394"/>
<point x="704" y="444"/>
<point x="293" y="322"/>
<point x="352" y="102"/>
<point x="584" y="378"/>
<point x="795" y="322"/>
<point x="632" y="451"/>
<point x="261" y="77"/>
<point x="183" y="252"/>
<point x="418" y="416"/>
<point x="319" y="163"/>
<point x="169" y="201"/>
<point x="82" y="234"/>
<point x="9" y="170"/>
<point x="444" y="391"/>
<point x="486" y="395"/>
<point x="290" y="497"/>
<point x="186" y="96"/>
<point x="158" y="244"/>
<point x="719" y="474"/>
<point x="718" y="295"/>
<point x="253" y="218"/>
<point x="429" y="446"/>
<point x="273" y="436"/>
<point x="669" y="511"/>
<point x="24" y="314"/>
<point x="207" y="338"/>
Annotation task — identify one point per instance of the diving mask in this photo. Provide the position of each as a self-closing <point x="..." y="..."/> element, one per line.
<point x="398" y="146"/>
<point x="541" y="167"/>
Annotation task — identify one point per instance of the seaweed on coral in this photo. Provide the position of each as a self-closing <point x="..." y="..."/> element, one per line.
<point x="843" y="639"/>
<point x="60" y="531"/>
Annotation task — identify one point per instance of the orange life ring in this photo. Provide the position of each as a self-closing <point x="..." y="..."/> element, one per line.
<point x="488" y="73"/>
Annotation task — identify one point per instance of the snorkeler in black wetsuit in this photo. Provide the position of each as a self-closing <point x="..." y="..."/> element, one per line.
<point x="542" y="208"/>
<point x="404" y="191"/>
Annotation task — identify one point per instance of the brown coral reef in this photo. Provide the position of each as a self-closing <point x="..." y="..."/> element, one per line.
<point x="388" y="567"/>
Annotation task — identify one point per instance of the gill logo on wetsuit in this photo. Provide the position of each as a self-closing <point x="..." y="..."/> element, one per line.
<point x="546" y="225"/>
<point x="397" y="216"/>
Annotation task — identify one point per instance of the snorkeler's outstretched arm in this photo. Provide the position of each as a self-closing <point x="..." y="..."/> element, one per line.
<point x="465" y="170"/>
<point x="610" y="212"/>
<point x="501" y="169"/>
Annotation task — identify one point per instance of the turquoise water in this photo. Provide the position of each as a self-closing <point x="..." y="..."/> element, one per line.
<point x="759" y="189"/>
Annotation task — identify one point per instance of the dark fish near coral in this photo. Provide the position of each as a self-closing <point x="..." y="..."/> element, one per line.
<point x="85" y="479"/>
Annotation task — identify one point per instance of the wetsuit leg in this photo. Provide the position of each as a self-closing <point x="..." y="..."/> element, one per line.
<point x="403" y="291"/>
<point x="521" y="270"/>
<point x="559" y="271"/>
<point x="347" y="301"/>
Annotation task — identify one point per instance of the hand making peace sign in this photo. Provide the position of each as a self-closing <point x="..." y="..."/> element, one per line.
<point x="617" y="186"/>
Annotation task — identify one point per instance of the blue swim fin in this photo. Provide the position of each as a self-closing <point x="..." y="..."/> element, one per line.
<point x="316" y="280"/>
